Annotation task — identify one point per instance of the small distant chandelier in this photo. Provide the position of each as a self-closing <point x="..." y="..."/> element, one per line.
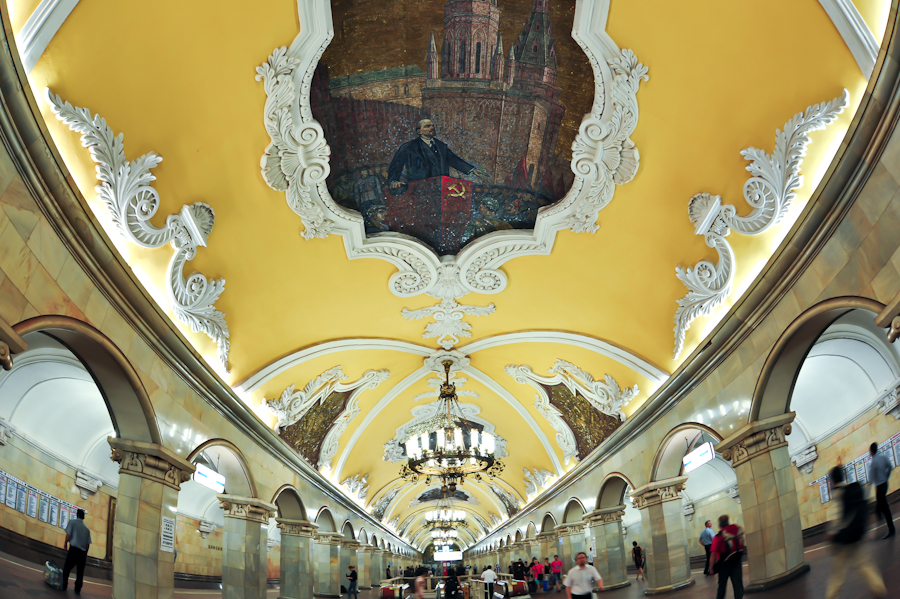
<point x="444" y="534"/>
<point x="446" y="518"/>
<point x="443" y="543"/>
<point x="449" y="447"/>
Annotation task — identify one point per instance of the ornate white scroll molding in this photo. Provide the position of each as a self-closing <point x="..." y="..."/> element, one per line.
<point x="87" y="484"/>
<point x="606" y="396"/>
<point x="131" y="200"/>
<point x="6" y="431"/>
<point x="357" y="487"/>
<point x="205" y="528"/>
<point x="888" y="404"/>
<point x="770" y="190"/>
<point x="380" y="508"/>
<point x="535" y="480"/>
<point x="495" y="519"/>
<point x="292" y="404"/>
<point x="805" y="459"/>
<point x="448" y="325"/>
<point x="296" y="162"/>
<point x="40" y="28"/>
<point x="854" y="31"/>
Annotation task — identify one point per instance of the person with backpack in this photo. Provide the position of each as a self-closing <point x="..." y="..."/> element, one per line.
<point x="725" y="557"/>
<point x="849" y="552"/>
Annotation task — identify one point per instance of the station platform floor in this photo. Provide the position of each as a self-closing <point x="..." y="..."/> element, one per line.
<point x="19" y="578"/>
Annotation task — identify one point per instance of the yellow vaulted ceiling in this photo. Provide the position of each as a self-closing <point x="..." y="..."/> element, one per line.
<point x="177" y="78"/>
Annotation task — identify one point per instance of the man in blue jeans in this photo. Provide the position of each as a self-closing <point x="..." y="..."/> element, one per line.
<point x="353" y="577"/>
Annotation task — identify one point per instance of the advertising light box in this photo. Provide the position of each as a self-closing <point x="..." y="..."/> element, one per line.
<point x="448" y="556"/>
<point x="209" y="478"/>
<point x="698" y="457"/>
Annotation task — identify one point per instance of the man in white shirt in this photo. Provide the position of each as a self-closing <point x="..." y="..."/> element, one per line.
<point x="489" y="577"/>
<point x="580" y="579"/>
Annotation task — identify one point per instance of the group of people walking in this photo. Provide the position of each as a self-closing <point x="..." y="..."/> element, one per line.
<point x="579" y="583"/>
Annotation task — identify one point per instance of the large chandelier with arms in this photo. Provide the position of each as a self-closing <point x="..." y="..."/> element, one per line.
<point x="446" y="518"/>
<point x="449" y="447"/>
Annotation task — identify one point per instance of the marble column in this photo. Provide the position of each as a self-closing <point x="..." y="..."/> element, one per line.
<point x="296" y="558"/>
<point x="571" y="542"/>
<point x="364" y="565"/>
<point x="605" y="527"/>
<point x="770" y="512"/>
<point x="348" y="558"/>
<point x="150" y="477"/>
<point x="531" y="548"/>
<point x="518" y="552"/>
<point x="327" y="563"/>
<point x="244" y="546"/>
<point x="662" y="519"/>
<point x="548" y="545"/>
<point x="377" y="572"/>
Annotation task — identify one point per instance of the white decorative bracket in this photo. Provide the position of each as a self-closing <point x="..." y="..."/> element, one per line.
<point x="126" y="191"/>
<point x="606" y="396"/>
<point x="292" y="405"/>
<point x="87" y="484"/>
<point x="770" y="190"/>
<point x="6" y="431"/>
<point x="735" y="493"/>
<point x="296" y="162"/>
<point x="890" y="403"/>
<point x="205" y="528"/>
<point x="688" y="509"/>
<point x="805" y="459"/>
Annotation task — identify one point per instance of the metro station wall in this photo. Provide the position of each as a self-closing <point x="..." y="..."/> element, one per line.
<point x="861" y="258"/>
<point x="45" y="472"/>
<point x="197" y="555"/>
<point x="39" y="276"/>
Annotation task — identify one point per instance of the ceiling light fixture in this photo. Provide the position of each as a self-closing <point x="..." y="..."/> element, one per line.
<point x="449" y="447"/>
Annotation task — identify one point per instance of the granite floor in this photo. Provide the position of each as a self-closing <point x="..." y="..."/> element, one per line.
<point x="24" y="579"/>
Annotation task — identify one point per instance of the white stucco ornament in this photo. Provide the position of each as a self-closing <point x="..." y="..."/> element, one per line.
<point x="292" y="405"/>
<point x="769" y="191"/>
<point x="132" y="202"/>
<point x="535" y="480"/>
<point x="805" y="459"/>
<point x="296" y="162"/>
<point x="87" y="484"/>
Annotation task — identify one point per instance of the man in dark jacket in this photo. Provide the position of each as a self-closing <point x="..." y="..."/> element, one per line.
<point x="422" y="158"/>
<point x="849" y="552"/>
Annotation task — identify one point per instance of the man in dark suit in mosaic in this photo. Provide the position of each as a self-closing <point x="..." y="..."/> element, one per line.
<point x="424" y="157"/>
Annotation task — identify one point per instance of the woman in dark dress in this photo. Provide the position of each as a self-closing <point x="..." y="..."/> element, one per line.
<point x="637" y="554"/>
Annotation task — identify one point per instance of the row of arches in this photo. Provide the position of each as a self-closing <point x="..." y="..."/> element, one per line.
<point x="829" y="368"/>
<point x="73" y="395"/>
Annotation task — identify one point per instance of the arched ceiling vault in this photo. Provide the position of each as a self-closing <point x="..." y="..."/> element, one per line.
<point x="598" y="305"/>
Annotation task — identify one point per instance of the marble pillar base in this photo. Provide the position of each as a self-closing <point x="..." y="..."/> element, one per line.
<point x="764" y="585"/>
<point x="670" y="588"/>
<point x="613" y="587"/>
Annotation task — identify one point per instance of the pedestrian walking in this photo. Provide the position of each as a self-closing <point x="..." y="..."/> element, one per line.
<point x="556" y="572"/>
<point x="353" y="577"/>
<point x="78" y="541"/>
<point x="879" y="473"/>
<point x="725" y="557"/>
<point x="637" y="554"/>
<point x="849" y="551"/>
<point x="706" y="539"/>
<point x="537" y="571"/>
<point x="581" y="579"/>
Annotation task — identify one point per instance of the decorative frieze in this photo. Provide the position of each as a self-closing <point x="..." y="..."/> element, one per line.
<point x="330" y="538"/>
<point x="246" y="508"/>
<point x="606" y="515"/>
<point x="756" y="438"/>
<point x="890" y="401"/>
<point x="205" y="528"/>
<point x="296" y="528"/>
<point x="6" y="431"/>
<point x="87" y="484"/>
<point x="150" y="461"/>
<point x="658" y="492"/>
<point x="569" y="529"/>
<point x="805" y="459"/>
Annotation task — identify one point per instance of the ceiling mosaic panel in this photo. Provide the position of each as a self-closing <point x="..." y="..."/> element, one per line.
<point x="589" y="425"/>
<point x="307" y="434"/>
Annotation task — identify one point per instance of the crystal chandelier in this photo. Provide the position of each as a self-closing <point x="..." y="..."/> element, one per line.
<point x="443" y="543"/>
<point x="444" y="534"/>
<point x="446" y="518"/>
<point x="449" y="447"/>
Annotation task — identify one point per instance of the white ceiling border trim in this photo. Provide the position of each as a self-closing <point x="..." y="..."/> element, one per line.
<point x="856" y="34"/>
<point x="40" y="28"/>
<point x="604" y="348"/>
<point x="268" y="372"/>
<point x="603" y="157"/>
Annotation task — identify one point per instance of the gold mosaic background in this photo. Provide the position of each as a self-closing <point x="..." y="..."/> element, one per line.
<point x="589" y="424"/>
<point x="307" y="434"/>
<point x="367" y="38"/>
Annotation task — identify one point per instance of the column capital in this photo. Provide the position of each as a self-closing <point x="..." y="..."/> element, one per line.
<point x="658" y="492"/>
<point x="518" y="545"/>
<point x="351" y="543"/>
<point x="756" y="438"/>
<point x="329" y="538"/>
<point x="151" y="461"/>
<point x="545" y="536"/>
<point x="296" y="528"/>
<point x="606" y="515"/>
<point x="569" y="529"/>
<point x="246" y="508"/>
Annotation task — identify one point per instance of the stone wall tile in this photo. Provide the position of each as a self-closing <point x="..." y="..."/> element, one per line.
<point x="12" y="302"/>
<point x="852" y="230"/>
<point x="118" y="330"/>
<point x="830" y="261"/>
<point x="878" y="191"/>
<point x="20" y="208"/>
<point x="75" y="283"/>
<point x="47" y="298"/>
<point x="97" y="307"/>
<point x="16" y="259"/>
<point x="47" y="247"/>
